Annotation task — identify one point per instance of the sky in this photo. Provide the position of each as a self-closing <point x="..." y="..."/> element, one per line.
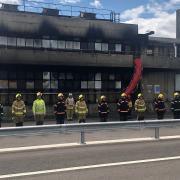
<point x="150" y="15"/>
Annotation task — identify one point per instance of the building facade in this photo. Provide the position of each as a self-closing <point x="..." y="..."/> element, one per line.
<point x="53" y="53"/>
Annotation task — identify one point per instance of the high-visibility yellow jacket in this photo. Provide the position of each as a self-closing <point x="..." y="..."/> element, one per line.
<point x="140" y="105"/>
<point x="18" y="108"/>
<point x="39" y="107"/>
<point x="81" y="107"/>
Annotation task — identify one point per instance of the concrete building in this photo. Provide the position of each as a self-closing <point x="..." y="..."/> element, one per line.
<point x="49" y="52"/>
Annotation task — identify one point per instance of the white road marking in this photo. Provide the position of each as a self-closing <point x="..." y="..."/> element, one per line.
<point x="89" y="167"/>
<point x="55" y="146"/>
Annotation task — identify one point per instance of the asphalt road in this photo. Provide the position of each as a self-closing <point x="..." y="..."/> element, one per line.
<point x="41" y="160"/>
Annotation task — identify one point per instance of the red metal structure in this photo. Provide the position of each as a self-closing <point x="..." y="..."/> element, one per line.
<point x="136" y="77"/>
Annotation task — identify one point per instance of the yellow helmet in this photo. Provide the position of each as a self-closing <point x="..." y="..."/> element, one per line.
<point x="103" y="97"/>
<point x="81" y="96"/>
<point x="18" y="95"/>
<point x="176" y="94"/>
<point x="160" y="96"/>
<point x="60" y="95"/>
<point x="123" y="95"/>
<point x="39" y="94"/>
<point x="139" y="95"/>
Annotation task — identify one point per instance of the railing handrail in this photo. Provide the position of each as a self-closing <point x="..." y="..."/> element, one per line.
<point x="83" y="128"/>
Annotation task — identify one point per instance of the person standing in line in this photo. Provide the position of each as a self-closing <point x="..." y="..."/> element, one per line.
<point x="60" y="109"/>
<point x="103" y="109"/>
<point x="123" y="107"/>
<point x="1" y="113"/>
<point x="81" y="109"/>
<point x="140" y="107"/>
<point x="160" y="106"/>
<point x="18" y="110"/>
<point x="39" y="109"/>
<point x="175" y="106"/>
<point x="70" y="104"/>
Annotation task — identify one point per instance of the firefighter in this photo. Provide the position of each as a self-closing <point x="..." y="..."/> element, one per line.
<point x="18" y="110"/>
<point x="175" y="106"/>
<point x="140" y="107"/>
<point x="160" y="106"/>
<point x="1" y="113"/>
<point x="39" y="109"/>
<point x="103" y="109"/>
<point x="60" y="109"/>
<point x="70" y="104"/>
<point x="130" y="104"/>
<point x="123" y="107"/>
<point x="81" y="109"/>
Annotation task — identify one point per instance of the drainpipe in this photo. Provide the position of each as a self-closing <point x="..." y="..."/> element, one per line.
<point x="175" y="50"/>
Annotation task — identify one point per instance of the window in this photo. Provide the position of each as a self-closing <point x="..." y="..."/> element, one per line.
<point x="61" y="44"/>
<point x="11" y="41"/>
<point x="104" y="46"/>
<point x="20" y="42"/>
<point x="118" y="85"/>
<point x="45" y="43"/>
<point x="53" y="44"/>
<point x="3" y="40"/>
<point x="3" y="84"/>
<point x="69" y="76"/>
<point x="98" y="76"/>
<point x="91" y="84"/>
<point x="62" y="76"/>
<point x="69" y="44"/>
<point x="37" y="43"/>
<point x="54" y="75"/>
<point x="54" y="84"/>
<point x="118" y="48"/>
<point x="12" y="84"/>
<point x="84" y="85"/>
<point x="30" y="85"/>
<point x="38" y="84"/>
<point x="111" y="77"/>
<point x="91" y="46"/>
<point x="46" y="75"/>
<point x="98" y="84"/>
<point x="98" y="46"/>
<point x="177" y="82"/>
<point x="76" y="45"/>
<point x="29" y="42"/>
<point x="46" y="84"/>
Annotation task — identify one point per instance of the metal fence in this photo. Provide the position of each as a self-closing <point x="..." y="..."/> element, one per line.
<point x="90" y="127"/>
<point x="37" y="6"/>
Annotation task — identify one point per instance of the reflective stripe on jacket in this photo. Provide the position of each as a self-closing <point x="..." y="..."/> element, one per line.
<point x="39" y="107"/>
<point x="81" y="107"/>
<point x="18" y="107"/>
<point x="140" y="105"/>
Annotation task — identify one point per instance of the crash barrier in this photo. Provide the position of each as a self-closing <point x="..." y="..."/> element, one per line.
<point x="90" y="127"/>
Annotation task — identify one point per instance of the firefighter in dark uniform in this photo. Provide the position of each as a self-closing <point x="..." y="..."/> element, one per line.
<point x="1" y="113"/>
<point x="60" y="109"/>
<point x="160" y="106"/>
<point x="103" y="109"/>
<point x="175" y="106"/>
<point x="123" y="107"/>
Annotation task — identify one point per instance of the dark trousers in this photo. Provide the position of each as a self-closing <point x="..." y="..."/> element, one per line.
<point x="176" y="114"/>
<point x="140" y="116"/>
<point x="160" y="115"/>
<point x="0" y="121"/>
<point x="18" y="124"/>
<point x="123" y="116"/>
<point x="82" y="121"/>
<point x="103" y="117"/>
<point x="60" y="118"/>
<point x="38" y="123"/>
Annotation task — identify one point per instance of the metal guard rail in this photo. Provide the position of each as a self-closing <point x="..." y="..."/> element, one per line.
<point x="82" y="128"/>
